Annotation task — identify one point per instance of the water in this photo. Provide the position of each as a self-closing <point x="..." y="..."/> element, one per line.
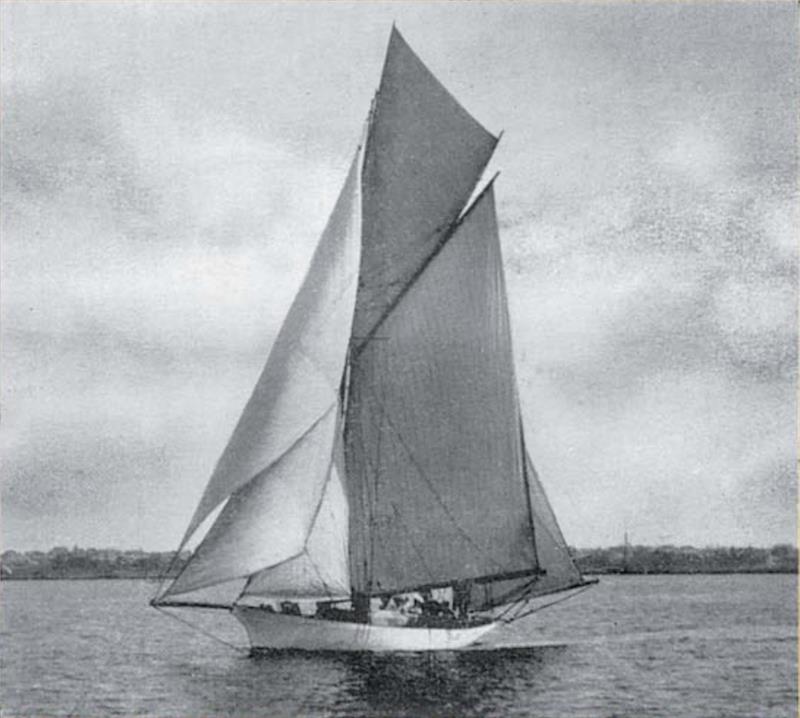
<point x="633" y="646"/>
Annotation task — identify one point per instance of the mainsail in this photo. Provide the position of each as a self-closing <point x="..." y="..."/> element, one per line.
<point x="382" y="449"/>
<point x="434" y="455"/>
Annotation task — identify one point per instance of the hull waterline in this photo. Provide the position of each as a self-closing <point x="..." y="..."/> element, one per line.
<point x="274" y="631"/>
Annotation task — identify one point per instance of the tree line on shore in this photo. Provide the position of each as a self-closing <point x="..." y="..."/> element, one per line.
<point x="62" y="562"/>
<point x="781" y="558"/>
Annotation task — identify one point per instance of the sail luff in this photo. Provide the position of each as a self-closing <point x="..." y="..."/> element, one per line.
<point x="559" y="565"/>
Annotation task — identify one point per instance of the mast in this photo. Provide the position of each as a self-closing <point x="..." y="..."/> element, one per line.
<point x="382" y="449"/>
<point x="625" y="550"/>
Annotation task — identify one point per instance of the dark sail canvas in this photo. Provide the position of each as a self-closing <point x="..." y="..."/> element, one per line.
<point x="382" y="452"/>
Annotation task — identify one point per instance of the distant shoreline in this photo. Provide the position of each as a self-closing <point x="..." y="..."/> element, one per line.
<point x="157" y="579"/>
<point x="77" y="563"/>
<point x="150" y="579"/>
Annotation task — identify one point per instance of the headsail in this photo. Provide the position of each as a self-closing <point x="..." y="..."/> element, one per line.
<point x="434" y="453"/>
<point x="321" y="570"/>
<point x="268" y="520"/>
<point x="281" y="450"/>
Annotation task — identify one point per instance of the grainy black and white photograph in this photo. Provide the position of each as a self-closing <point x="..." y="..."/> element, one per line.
<point x="399" y="359"/>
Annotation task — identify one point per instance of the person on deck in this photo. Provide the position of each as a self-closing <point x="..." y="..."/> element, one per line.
<point x="461" y="596"/>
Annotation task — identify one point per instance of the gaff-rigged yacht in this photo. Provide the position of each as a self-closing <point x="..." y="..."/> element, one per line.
<point x="382" y="451"/>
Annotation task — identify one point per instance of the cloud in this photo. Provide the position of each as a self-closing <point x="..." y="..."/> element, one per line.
<point x="757" y="319"/>
<point x="684" y="452"/>
<point x="779" y="219"/>
<point x="147" y="264"/>
<point x="141" y="224"/>
<point x="164" y="188"/>
<point x="694" y="153"/>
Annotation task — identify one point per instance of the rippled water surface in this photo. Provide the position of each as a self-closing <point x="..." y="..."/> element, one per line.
<point x="633" y="646"/>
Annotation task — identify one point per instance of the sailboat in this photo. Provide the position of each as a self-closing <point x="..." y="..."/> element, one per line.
<point x="381" y="460"/>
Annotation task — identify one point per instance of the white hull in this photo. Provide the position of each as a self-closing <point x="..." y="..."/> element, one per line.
<point x="270" y="631"/>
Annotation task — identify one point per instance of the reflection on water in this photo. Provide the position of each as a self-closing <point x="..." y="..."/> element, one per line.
<point x="424" y="684"/>
<point x="666" y="646"/>
<point x="453" y="683"/>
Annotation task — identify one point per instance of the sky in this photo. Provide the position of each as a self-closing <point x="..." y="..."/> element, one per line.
<point x="168" y="168"/>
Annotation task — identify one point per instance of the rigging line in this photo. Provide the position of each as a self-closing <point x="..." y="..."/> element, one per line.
<point x="321" y="578"/>
<point x="369" y="504"/>
<point x="558" y="536"/>
<point x="430" y="486"/>
<point x="344" y="385"/>
<point x="517" y="616"/>
<point x="521" y="591"/>
<point x="511" y="606"/>
<point x="325" y="484"/>
<point x="518" y="606"/>
<point x="523" y="598"/>
<point x="291" y="445"/>
<point x="163" y="577"/>
<point x="317" y="511"/>
<point x="374" y="495"/>
<point x="504" y="309"/>
<point x="362" y="549"/>
<point x="200" y="629"/>
<point x="251" y="576"/>
<point x="558" y="543"/>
